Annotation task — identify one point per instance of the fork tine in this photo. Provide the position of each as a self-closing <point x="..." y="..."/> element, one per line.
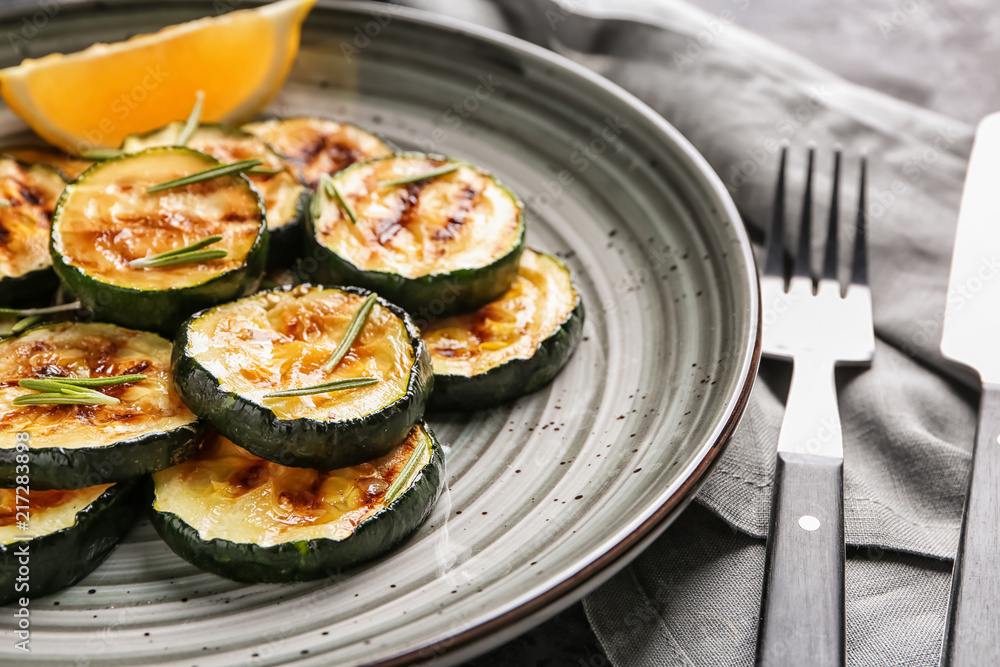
<point x="774" y="262"/>
<point x="830" y="255"/>
<point x="859" y="264"/>
<point x="803" y="256"/>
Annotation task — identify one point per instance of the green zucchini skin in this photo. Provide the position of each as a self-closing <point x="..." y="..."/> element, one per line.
<point x="61" y="468"/>
<point x="31" y="287"/>
<point x="37" y="285"/>
<point x="306" y="560"/>
<point x="303" y="442"/>
<point x="515" y="377"/>
<point x="285" y="242"/>
<point x="425" y="297"/>
<point x="160" y="311"/>
<point x="62" y="558"/>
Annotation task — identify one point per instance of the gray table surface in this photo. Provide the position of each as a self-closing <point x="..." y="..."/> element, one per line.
<point x="940" y="55"/>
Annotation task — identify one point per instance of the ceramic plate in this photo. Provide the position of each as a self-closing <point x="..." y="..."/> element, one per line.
<point x="546" y="498"/>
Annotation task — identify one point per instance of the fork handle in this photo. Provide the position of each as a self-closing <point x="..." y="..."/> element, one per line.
<point x="973" y="628"/>
<point x="802" y="616"/>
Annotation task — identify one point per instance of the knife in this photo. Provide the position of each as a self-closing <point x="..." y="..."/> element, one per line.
<point x="971" y="336"/>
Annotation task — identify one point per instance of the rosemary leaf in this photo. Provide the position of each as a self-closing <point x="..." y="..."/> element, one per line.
<point x="185" y="255"/>
<point x="403" y="478"/>
<point x="319" y="198"/>
<point x="336" y="385"/>
<point x="24" y="323"/>
<point x="184" y="258"/>
<point x="433" y="173"/>
<point x="193" y="119"/>
<point x="264" y="171"/>
<point x="64" y="399"/>
<point x="334" y="190"/>
<point x="27" y="312"/>
<point x="353" y="329"/>
<point x="197" y="245"/>
<point x="207" y="175"/>
<point x="101" y="153"/>
<point x="4" y="203"/>
<point x="109" y="381"/>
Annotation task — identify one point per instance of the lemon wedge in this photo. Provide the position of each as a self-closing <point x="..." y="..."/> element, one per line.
<point x="95" y="97"/>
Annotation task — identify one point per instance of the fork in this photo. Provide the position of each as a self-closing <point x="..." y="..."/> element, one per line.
<point x="817" y="326"/>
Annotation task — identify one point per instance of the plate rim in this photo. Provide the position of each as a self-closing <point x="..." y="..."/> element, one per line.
<point x="472" y="640"/>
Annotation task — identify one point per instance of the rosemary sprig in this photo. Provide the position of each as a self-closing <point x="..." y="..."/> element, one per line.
<point x="24" y="323"/>
<point x="55" y="383"/>
<point x="101" y="153"/>
<point x="72" y="391"/>
<point x="403" y="478"/>
<point x="4" y="203"/>
<point x="353" y="329"/>
<point x="65" y="399"/>
<point x="433" y="173"/>
<point x="336" y="385"/>
<point x="189" y="254"/>
<point x="193" y="119"/>
<point x="207" y="175"/>
<point x="48" y="310"/>
<point x="328" y="188"/>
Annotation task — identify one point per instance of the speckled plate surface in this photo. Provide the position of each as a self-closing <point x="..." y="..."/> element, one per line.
<point x="546" y="498"/>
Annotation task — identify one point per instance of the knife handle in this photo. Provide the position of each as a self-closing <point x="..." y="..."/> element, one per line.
<point x="973" y="628"/>
<point x="802" y="615"/>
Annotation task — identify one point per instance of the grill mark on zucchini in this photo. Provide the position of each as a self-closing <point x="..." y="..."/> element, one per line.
<point x="297" y="498"/>
<point x="31" y="192"/>
<point x="401" y="215"/>
<point x="318" y="146"/>
<point x="90" y="351"/>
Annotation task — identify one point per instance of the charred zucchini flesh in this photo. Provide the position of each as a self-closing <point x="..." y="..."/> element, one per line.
<point x="29" y="194"/>
<point x="229" y="359"/>
<point x="285" y="197"/>
<point x="510" y="347"/>
<point x="69" y="533"/>
<point x="75" y="446"/>
<point x="318" y="146"/>
<point x="246" y="518"/>
<point x="107" y="221"/>
<point x="435" y="236"/>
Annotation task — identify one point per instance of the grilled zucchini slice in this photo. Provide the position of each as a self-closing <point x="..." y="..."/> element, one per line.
<point x="434" y="246"/>
<point x="69" y="534"/>
<point x="245" y="518"/>
<point x="106" y="219"/>
<point x="30" y="193"/>
<point x="228" y="358"/>
<point x="74" y="446"/>
<point x="285" y="197"/>
<point x="318" y="146"/>
<point x="510" y="347"/>
<point x="68" y="166"/>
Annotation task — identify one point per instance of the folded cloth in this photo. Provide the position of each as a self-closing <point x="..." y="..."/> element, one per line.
<point x="693" y="597"/>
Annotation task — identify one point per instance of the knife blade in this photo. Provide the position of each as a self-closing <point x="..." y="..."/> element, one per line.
<point x="971" y="336"/>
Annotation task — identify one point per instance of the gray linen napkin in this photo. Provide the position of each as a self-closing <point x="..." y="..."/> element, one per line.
<point x="693" y="597"/>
